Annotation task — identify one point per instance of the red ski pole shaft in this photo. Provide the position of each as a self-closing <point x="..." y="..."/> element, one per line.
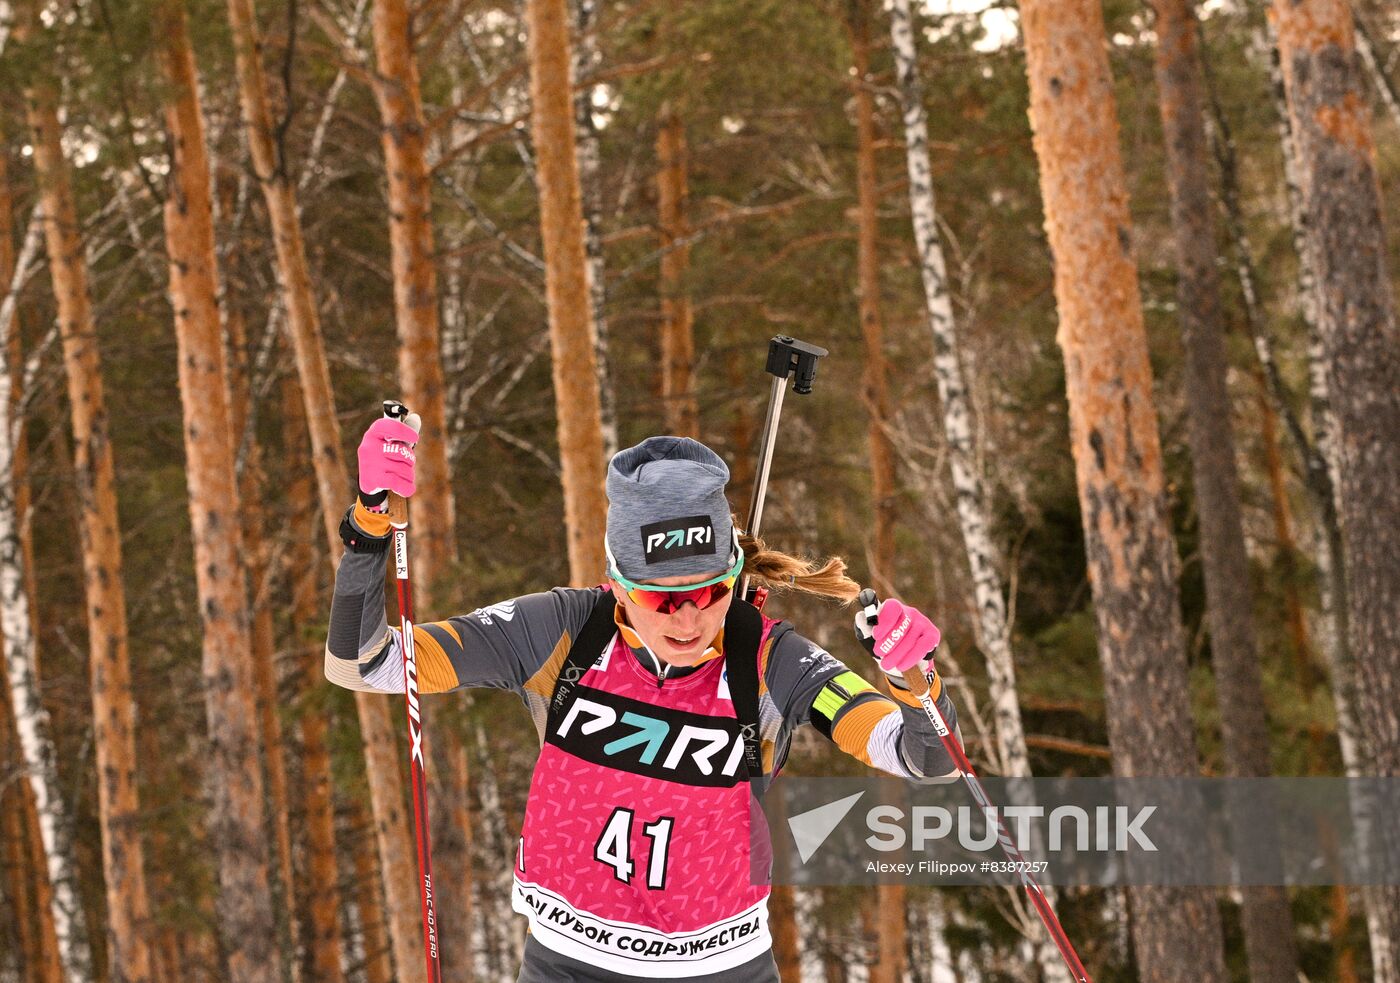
<point x="399" y="519"/>
<point x="918" y="685"/>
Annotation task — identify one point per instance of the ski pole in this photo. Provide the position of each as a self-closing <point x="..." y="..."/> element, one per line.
<point x="786" y="356"/>
<point x="398" y="518"/>
<point x="918" y="684"/>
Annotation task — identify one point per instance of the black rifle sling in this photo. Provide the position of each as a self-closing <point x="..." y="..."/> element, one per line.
<point x="743" y="629"/>
<point x="597" y="631"/>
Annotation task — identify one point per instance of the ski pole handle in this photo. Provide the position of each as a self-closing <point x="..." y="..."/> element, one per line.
<point x="398" y="505"/>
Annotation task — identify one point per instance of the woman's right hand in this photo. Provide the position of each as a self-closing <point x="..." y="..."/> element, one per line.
<point x="386" y="457"/>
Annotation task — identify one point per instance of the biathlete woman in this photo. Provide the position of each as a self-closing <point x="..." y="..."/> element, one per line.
<point x="652" y="694"/>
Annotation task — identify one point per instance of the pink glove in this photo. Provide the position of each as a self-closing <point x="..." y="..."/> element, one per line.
<point x="904" y="637"/>
<point x="386" y="457"/>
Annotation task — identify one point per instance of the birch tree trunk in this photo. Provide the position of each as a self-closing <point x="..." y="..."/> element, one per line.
<point x="1375" y="71"/>
<point x="1356" y="319"/>
<point x="404" y="141"/>
<point x="1267" y="922"/>
<point x="1117" y="452"/>
<point x="33" y="893"/>
<point x="677" y="318"/>
<point x="109" y="669"/>
<point x="983" y="556"/>
<point x="320" y="902"/>
<point x="29" y="894"/>
<point x="587" y="58"/>
<point x="237" y="820"/>
<point x="571" y="329"/>
<point x="1321" y="463"/>
<point x="1323" y="482"/>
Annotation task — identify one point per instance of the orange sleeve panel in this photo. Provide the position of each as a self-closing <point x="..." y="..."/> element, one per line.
<point x="430" y="643"/>
<point x="542" y="682"/>
<point x="852" y="732"/>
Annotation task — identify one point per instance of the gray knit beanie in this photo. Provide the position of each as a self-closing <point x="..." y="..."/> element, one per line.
<point x="667" y="514"/>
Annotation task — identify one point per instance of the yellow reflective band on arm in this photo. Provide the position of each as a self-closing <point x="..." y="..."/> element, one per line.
<point x="839" y="691"/>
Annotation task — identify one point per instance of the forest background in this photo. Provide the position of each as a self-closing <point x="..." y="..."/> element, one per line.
<point x="743" y="173"/>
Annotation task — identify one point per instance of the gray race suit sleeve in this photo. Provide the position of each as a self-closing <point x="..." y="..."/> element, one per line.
<point x="501" y="645"/>
<point x="802" y="680"/>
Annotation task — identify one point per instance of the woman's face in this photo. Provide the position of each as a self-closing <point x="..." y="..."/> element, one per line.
<point x="681" y="637"/>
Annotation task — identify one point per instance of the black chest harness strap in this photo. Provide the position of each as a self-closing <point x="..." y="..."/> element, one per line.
<point x="743" y="629"/>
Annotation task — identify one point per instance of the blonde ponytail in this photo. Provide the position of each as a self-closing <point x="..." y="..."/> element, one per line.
<point x="778" y="571"/>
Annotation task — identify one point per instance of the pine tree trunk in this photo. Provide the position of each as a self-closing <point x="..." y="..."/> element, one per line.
<point x="420" y="375"/>
<point x="415" y="289"/>
<point x="1283" y="534"/>
<point x="1268" y="925"/>
<point x="677" y="317"/>
<point x="166" y="938"/>
<point x="787" y="950"/>
<point x="256" y="530"/>
<point x="274" y="173"/>
<point x="320" y="901"/>
<point x="378" y="961"/>
<point x="1356" y="320"/>
<point x="377" y="729"/>
<point x="874" y="387"/>
<point x="504" y="940"/>
<point x="1317" y="475"/>
<point x="1117" y="453"/>
<point x="889" y="965"/>
<point x="571" y="329"/>
<point x="587" y="58"/>
<point x="293" y="272"/>
<point x="782" y="908"/>
<point x="237" y="821"/>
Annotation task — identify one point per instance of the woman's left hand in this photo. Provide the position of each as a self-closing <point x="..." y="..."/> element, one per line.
<point x="899" y="636"/>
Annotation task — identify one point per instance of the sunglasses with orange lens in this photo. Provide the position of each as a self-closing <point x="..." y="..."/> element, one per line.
<point x="666" y="600"/>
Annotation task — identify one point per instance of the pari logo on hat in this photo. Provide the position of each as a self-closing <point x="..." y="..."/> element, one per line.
<point x="673" y="538"/>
